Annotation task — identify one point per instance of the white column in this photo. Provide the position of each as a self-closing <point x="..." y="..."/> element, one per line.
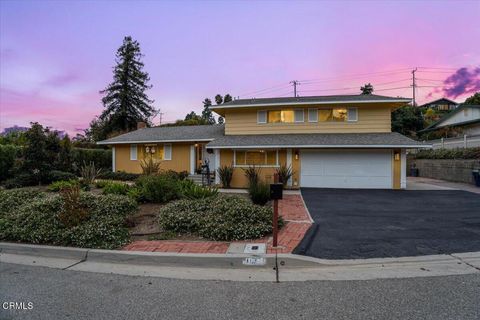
<point x="403" y="169"/>
<point x="289" y="164"/>
<point x="113" y="159"/>
<point x="192" y="159"/>
<point x="217" y="165"/>
<point x="465" y="141"/>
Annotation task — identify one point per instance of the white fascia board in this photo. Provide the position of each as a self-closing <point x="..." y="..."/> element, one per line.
<point x="337" y="146"/>
<point x="156" y="141"/>
<point x="304" y="103"/>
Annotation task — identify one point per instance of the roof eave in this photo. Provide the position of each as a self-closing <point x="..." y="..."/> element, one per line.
<point x="220" y="107"/>
<point x="335" y="146"/>
<point x="106" y="142"/>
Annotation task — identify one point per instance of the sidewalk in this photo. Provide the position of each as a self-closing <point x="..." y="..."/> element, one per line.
<point x="422" y="183"/>
<point x="291" y="208"/>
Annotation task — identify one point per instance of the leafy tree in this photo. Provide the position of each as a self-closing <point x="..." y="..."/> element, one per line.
<point x="218" y="99"/>
<point x="35" y="152"/>
<point x="407" y="120"/>
<point x="125" y="100"/>
<point x="475" y="99"/>
<point x="65" y="158"/>
<point x="367" y="88"/>
<point x="227" y="98"/>
<point x="207" y="114"/>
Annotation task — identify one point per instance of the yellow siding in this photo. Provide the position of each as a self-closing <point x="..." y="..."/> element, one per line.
<point x="371" y="118"/>
<point x="180" y="158"/>
<point x="239" y="180"/>
<point x="397" y="165"/>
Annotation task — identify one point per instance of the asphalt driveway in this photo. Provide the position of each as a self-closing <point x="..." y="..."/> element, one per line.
<point x="353" y="223"/>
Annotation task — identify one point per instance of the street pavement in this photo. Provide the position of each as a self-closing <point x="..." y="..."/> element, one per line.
<point x="66" y="294"/>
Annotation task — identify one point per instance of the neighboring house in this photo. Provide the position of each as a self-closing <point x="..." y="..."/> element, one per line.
<point x="442" y="105"/>
<point x="465" y="117"/>
<point x="329" y="141"/>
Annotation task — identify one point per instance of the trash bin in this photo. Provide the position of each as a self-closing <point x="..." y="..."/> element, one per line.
<point x="476" y="177"/>
<point x="413" y="172"/>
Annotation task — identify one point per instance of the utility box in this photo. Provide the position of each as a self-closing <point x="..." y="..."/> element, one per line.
<point x="276" y="191"/>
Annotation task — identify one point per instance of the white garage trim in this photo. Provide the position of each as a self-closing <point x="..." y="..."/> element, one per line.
<point x="364" y="169"/>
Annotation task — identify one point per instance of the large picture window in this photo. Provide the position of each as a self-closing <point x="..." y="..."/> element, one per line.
<point x="256" y="158"/>
<point x="280" y="116"/>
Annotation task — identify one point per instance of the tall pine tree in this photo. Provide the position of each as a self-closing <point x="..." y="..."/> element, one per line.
<point x="125" y="100"/>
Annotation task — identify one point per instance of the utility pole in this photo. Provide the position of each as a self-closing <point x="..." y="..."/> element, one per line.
<point x="295" y="84"/>
<point x="414" y="85"/>
<point x="160" y="114"/>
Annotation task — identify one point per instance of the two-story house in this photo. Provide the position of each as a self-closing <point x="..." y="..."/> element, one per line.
<point x="330" y="142"/>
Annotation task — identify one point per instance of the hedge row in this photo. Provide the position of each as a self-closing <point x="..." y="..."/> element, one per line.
<point x="464" y="153"/>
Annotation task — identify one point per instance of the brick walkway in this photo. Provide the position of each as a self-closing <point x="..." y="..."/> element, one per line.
<point x="291" y="208"/>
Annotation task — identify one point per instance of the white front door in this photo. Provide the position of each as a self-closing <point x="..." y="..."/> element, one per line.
<point x="365" y="169"/>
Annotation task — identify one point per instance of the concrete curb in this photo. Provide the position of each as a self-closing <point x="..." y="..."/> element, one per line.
<point x="231" y="267"/>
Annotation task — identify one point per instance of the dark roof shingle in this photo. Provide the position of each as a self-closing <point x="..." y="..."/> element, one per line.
<point x="311" y="99"/>
<point x="387" y="139"/>
<point x="169" y="134"/>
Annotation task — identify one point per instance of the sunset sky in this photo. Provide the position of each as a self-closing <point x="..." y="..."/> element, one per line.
<point x="55" y="56"/>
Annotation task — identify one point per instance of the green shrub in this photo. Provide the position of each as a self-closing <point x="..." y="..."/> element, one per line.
<point x="284" y="174"/>
<point x="135" y="193"/>
<point x="101" y="183"/>
<point x="460" y="153"/>
<point x="226" y="174"/>
<point x="59" y="185"/>
<point x="56" y="175"/>
<point x="182" y="175"/>
<point x="89" y="173"/>
<point x="8" y="154"/>
<point x="112" y="187"/>
<point x="102" y="158"/>
<point x="158" y="189"/>
<point x="21" y="180"/>
<point x="253" y="175"/>
<point x="191" y="190"/>
<point x="119" y="175"/>
<point x="37" y="220"/>
<point x="150" y="166"/>
<point x="223" y="218"/>
<point x="259" y="193"/>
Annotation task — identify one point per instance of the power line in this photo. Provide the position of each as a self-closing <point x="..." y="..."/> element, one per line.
<point x="357" y="75"/>
<point x="283" y="85"/>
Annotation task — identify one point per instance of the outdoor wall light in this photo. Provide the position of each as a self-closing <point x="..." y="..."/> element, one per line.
<point x="397" y="156"/>
<point x="296" y="155"/>
<point x="196" y="145"/>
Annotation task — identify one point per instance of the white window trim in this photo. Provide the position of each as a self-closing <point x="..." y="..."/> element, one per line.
<point x="235" y="165"/>
<point x="316" y="115"/>
<point x="165" y="151"/>
<point x="348" y="114"/>
<point x="258" y="116"/>
<point x="303" y="115"/>
<point x="133" y="152"/>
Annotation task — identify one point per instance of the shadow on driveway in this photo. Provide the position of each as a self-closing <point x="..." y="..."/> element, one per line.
<point x="355" y="223"/>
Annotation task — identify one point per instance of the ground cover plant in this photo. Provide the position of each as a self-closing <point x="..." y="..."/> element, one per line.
<point x="72" y="218"/>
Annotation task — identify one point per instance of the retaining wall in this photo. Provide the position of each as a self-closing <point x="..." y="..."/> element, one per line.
<point x="451" y="169"/>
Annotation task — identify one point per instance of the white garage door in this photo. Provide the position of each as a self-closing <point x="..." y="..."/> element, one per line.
<point x="346" y="169"/>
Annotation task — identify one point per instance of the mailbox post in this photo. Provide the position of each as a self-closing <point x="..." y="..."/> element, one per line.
<point x="276" y="193"/>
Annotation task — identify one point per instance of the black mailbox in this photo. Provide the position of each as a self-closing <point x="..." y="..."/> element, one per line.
<point x="276" y="191"/>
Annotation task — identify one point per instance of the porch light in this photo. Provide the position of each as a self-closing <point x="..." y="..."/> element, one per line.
<point x="397" y="156"/>
<point x="196" y="145"/>
<point x="296" y="155"/>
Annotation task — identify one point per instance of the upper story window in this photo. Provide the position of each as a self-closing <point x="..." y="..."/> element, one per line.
<point x="313" y="115"/>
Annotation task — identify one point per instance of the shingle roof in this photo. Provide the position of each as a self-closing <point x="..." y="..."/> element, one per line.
<point x="169" y="134"/>
<point x="320" y="140"/>
<point x="460" y="107"/>
<point x="311" y="99"/>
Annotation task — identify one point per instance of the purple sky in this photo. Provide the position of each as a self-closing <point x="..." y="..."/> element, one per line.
<point x="56" y="55"/>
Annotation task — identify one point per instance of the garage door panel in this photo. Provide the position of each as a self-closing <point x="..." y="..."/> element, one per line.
<point x="346" y="169"/>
